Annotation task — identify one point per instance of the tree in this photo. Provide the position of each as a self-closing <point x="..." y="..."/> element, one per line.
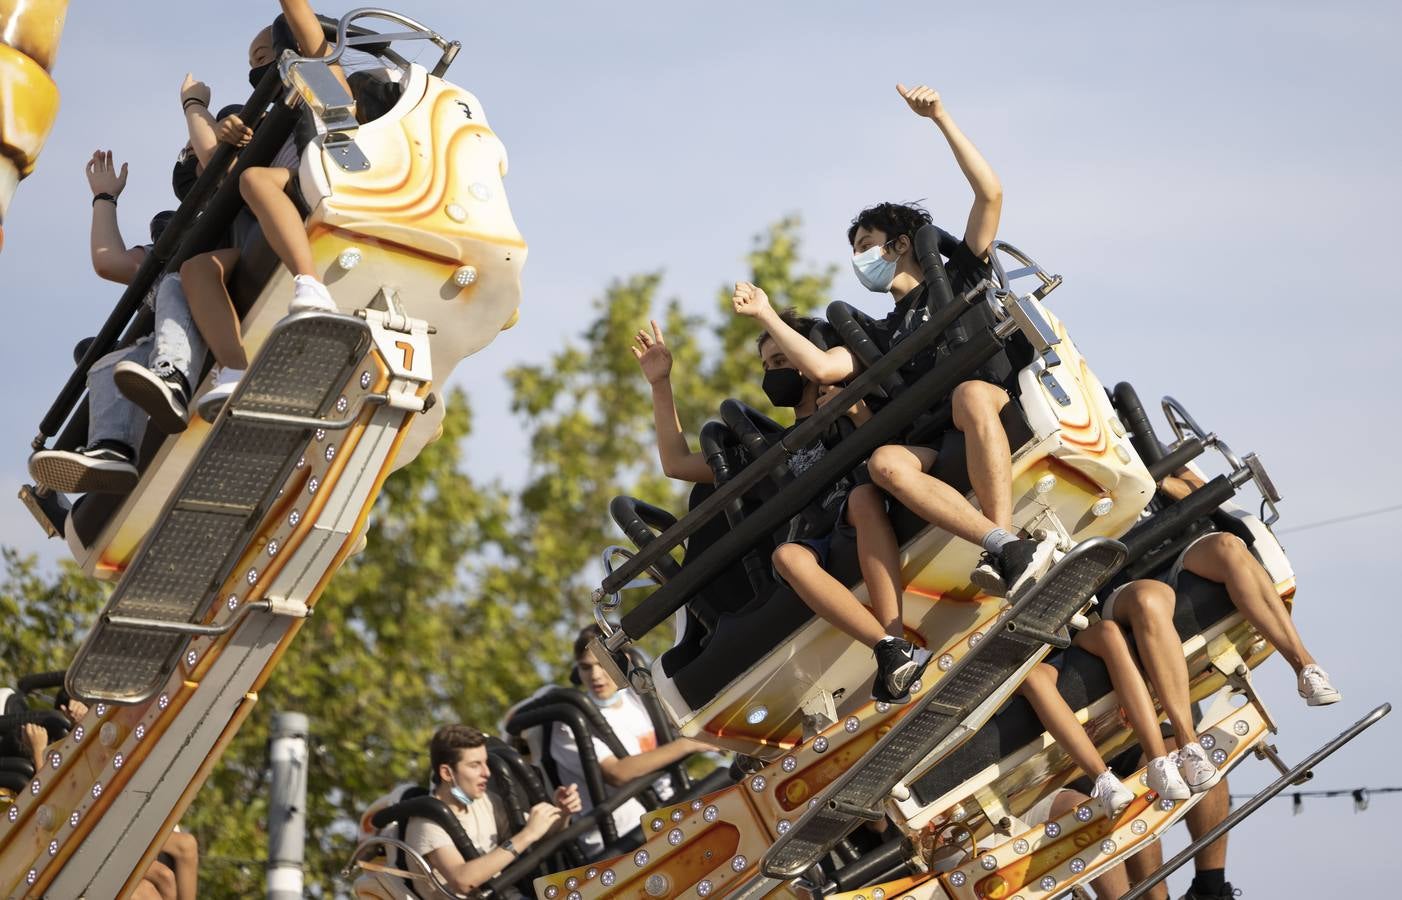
<point x="468" y="596"/>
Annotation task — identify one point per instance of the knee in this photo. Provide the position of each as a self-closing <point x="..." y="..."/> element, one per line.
<point x="974" y="401"/>
<point x="885" y="465"/>
<point x="253" y="182"/>
<point x="161" y="878"/>
<point x="1227" y="549"/>
<point x="182" y="845"/>
<point x="1112" y="637"/>
<point x="789" y="558"/>
<point x="1148" y="604"/>
<point x="864" y="502"/>
<point x="1040" y="679"/>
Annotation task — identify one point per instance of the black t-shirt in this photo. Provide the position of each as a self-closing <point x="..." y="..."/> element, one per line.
<point x="819" y="517"/>
<point x="965" y="270"/>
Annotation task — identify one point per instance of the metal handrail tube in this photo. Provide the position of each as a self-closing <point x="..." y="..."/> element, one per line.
<point x="884" y="427"/>
<point x="1197" y="505"/>
<point x="169" y="252"/>
<point x="802" y="436"/>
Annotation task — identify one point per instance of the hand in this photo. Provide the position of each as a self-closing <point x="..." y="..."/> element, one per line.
<point x="924" y="101"/>
<point x="749" y="300"/>
<point x="74" y="710"/>
<point x="190" y="89"/>
<point x="35" y="739"/>
<point x="231" y="130"/>
<point x="652" y="354"/>
<point x="857" y="411"/>
<point x="567" y="799"/>
<point x="541" y="819"/>
<point x="103" y="177"/>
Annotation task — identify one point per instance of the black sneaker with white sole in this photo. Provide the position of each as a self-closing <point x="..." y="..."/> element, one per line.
<point x="107" y="467"/>
<point x="165" y="398"/>
<point x="1017" y="565"/>
<point x="898" y="664"/>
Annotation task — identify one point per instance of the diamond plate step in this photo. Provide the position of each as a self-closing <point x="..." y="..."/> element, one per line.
<point x="209" y="520"/>
<point x="1047" y="606"/>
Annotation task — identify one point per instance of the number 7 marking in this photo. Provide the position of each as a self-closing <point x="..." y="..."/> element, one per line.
<point x="408" y="350"/>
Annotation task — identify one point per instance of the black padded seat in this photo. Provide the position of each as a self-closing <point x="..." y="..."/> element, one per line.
<point x="743" y="636"/>
<point x="1083" y="681"/>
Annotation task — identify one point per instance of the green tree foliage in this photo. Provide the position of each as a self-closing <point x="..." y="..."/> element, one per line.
<point x="458" y="575"/>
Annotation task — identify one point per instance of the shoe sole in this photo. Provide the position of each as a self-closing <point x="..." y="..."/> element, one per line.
<point x="989" y="582"/>
<point x="67" y="475"/>
<point x="1207" y="785"/>
<point x="1325" y="699"/>
<point x="1039" y="565"/>
<point x="152" y="398"/>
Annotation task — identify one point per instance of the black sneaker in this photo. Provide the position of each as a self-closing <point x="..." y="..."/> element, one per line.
<point x="166" y="399"/>
<point x="1227" y="893"/>
<point x="1019" y="564"/>
<point x="898" y="664"/>
<point x="104" y="468"/>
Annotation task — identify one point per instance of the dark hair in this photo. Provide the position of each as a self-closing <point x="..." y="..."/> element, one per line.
<point x="446" y="746"/>
<point x="581" y="642"/>
<point x="791" y="318"/>
<point x="891" y="219"/>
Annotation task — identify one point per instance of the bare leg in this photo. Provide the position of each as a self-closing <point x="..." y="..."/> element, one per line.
<point x="1225" y="559"/>
<point x="1059" y="720"/>
<point x="158" y="881"/>
<point x="1143" y="864"/>
<point x="1146" y="607"/>
<point x="1211" y="809"/>
<point x="1107" y="641"/>
<point x="205" y="279"/>
<point x="1113" y="883"/>
<point x="901" y="472"/>
<point x="879" y="556"/>
<point x="976" y="407"/>
<point x="265" y="192"/>
<point x="825" y="595"/>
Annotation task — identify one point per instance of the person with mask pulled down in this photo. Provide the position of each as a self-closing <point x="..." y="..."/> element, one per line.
<point x="458" y="757"/>
<point x="882" y="239"/>
<point x="802" y="555"/>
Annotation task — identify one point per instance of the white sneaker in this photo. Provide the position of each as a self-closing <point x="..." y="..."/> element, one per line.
<point x="1112" y="795"/>
<point x="310" y="295"/>
<point x="1197" y="770"/>
<point x="1166" y="781"/>
<point x="212" y="401"/>
<point x="1315" y="687"/>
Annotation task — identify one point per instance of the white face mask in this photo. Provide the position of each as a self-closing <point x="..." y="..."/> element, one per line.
<point x="874" y="270"/>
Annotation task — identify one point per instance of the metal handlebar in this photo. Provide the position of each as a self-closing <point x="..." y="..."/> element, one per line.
<point x="345" y="40"/>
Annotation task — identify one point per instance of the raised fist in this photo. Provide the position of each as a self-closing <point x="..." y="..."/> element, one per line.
<point x="749" y="300"/>
<point x="923" y="101"/>
<point x="190" y="89"/>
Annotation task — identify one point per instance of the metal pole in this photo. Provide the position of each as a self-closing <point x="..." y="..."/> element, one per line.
<point x="1255" y="803"/>
<point x="287" y="805"/>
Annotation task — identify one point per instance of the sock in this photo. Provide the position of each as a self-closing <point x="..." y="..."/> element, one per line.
<point x="1209" y="881"/>
<point x="884" y="640"/>
<point x="996" y="540"/>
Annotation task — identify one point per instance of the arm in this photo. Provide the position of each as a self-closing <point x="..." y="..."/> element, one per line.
<point x="466" y="875"/>
<point x="1180" y="484"/>
<point x="672" y="448"/>
<point x="822" y="366"/>
<point x="311" y="37"/>
<point x="982" y="227"/>
<point x="199" y="122"/>
<point x="621" y="771"/>
<point x="111" y="258"/>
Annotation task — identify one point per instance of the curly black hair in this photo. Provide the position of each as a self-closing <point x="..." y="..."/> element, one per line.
<point x="891" y="219"/>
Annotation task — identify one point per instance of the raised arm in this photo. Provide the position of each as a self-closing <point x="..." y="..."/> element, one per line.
<point x="678" y="460"/>
<point x="311" y="37"/>
<point x="982" y="227"/>
<point x="821" y="366"/>
<point x="199" y="121"/>
<point x="112" y="259"/>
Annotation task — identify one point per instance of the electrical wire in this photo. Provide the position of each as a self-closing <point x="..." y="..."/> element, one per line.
<point x="1340" y="519"/>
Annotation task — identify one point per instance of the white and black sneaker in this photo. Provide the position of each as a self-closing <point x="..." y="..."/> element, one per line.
<point x="898" y="664"/>
<point x="166" y="399"/>
<point x="107" y="467"/>
<point x="1017" y="565"/>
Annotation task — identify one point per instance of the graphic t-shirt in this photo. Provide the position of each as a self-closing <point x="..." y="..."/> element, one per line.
<point x="630" y="722"/>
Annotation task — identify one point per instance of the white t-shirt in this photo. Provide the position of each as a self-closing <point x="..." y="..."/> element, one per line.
<point x="630" y="722"/>
<point x="478" y="820"/>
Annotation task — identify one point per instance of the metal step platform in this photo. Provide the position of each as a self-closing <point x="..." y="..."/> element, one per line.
<point x="958" y="696"/>
<point x="167" y="590"/>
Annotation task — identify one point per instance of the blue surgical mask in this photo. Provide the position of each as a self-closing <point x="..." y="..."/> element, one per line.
<point x="874" y="270"/>
<point x="460" y="795"/>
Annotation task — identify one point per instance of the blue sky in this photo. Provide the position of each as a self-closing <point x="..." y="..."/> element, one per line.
<point x="1215" y="181"/>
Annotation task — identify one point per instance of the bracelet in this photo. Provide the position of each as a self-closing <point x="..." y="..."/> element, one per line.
<point x="104" y="196"/>
<point x="189" y="100"/>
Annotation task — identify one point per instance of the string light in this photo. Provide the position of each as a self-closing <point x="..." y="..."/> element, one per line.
<point x="1360" y="795"/>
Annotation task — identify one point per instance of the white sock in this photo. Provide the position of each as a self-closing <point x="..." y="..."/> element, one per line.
<point x="996" y="540"/>
<point x="884" y="640"/>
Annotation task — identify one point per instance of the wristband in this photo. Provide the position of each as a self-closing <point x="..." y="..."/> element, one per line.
<point x="104" y="196"/>
<point x="510" y="848"/>
<point x="189" y="100"/>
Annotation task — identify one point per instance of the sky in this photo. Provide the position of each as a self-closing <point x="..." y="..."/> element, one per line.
<point x="1216" y="183"/>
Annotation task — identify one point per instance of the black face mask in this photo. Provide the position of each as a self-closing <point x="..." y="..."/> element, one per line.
<point x="784" y="387"/>
<point x="256" y="74"/>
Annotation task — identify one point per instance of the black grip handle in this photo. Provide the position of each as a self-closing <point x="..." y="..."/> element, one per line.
<point x="852" y="327"/>
<point x="1187" y="451"/>
<point x="641" y="523"/>
<point x="928" y="242"/>
<point x="40" y="681"/>
<point x="720" y="447"/>
<point x="1141" y="432"/>
<point x="755" y="431"/>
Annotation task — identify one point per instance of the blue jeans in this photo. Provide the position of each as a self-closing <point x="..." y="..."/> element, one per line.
<point x="175" y="345"/>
